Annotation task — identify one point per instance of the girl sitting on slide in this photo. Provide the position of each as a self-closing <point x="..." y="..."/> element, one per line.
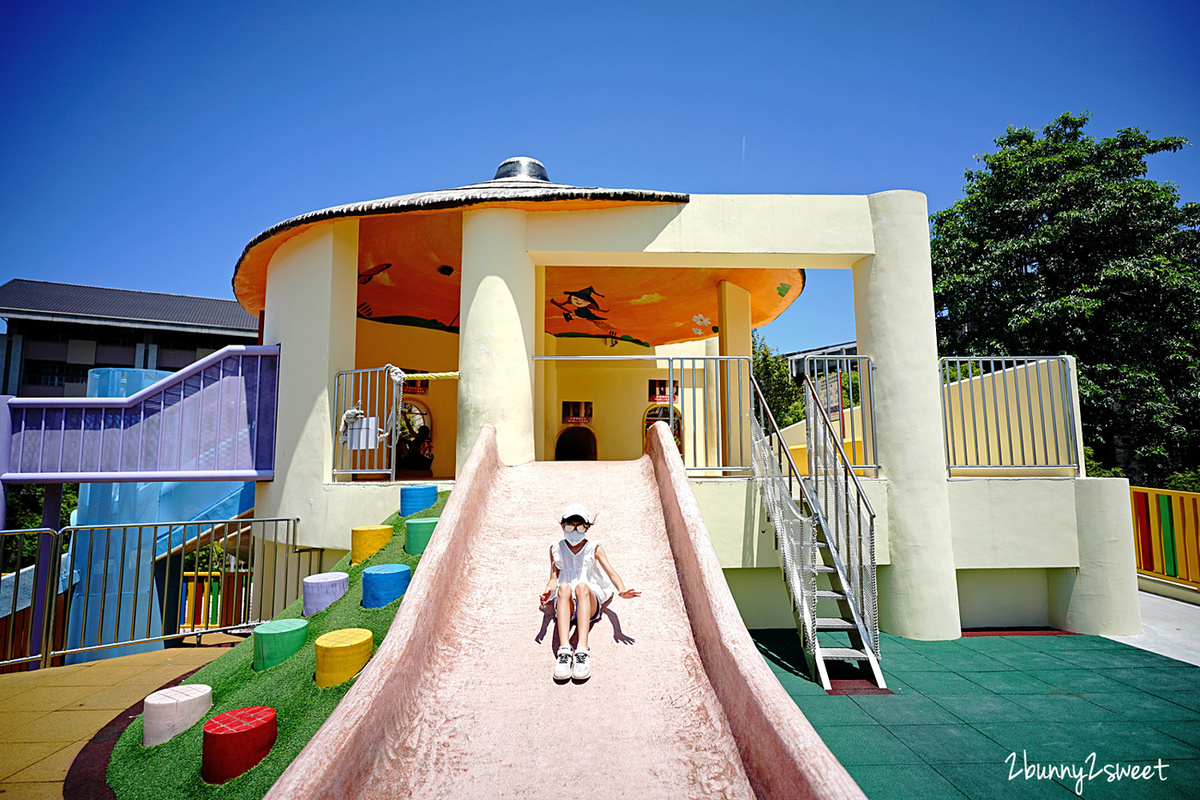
<point x="578" y="585"/>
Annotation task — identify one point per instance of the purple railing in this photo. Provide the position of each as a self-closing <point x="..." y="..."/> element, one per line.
<point x="214" y="420"/>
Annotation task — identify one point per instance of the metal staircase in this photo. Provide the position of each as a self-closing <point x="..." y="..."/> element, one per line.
<point x="825" y="533"/>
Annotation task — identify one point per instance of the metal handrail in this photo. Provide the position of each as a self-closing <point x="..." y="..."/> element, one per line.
<point x="39" y="600"/>
<point x="773" y="466"/>
<point x="847" y="464"/>
<point x="840" y="504"/>
<point x="812" y="366"/>
<point x="995" y="412"/>
<point x="116" y="603"/>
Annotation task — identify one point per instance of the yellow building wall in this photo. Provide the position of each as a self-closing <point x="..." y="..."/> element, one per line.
<point x="412" y="348"/>
<point x="619" y="395"/>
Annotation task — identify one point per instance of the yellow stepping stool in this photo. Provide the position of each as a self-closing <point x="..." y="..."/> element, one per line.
<point x="341" y="654"/>
<point x="366" y="541"/>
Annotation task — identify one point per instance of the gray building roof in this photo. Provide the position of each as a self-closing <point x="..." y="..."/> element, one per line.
<point x="95" y="305"/>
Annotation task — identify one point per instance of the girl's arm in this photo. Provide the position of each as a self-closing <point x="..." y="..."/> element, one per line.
<point x="552" y="583"/>
<point x="602" y="557"/>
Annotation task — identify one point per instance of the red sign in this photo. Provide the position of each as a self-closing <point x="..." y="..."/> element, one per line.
<point x="658" y="392"/>
<point x="577" y="412"/>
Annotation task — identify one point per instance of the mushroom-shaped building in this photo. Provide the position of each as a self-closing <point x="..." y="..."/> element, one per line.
<point x="571" y="318"/>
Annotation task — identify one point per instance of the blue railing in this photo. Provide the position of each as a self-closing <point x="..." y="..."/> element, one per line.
<point x="214" y="420"/>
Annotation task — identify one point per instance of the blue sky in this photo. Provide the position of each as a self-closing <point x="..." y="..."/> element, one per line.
<point x="142" y="145"/>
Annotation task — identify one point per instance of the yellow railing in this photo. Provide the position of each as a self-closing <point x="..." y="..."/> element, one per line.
<point x="1166" y="529"/>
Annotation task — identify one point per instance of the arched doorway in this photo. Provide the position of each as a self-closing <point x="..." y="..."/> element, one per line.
<point x="575" y="444"/>
<point x="414" y="440"/>
<point x="662" y="413"/>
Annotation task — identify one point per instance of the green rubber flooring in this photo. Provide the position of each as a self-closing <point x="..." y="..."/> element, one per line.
<point x="979" y="716"/>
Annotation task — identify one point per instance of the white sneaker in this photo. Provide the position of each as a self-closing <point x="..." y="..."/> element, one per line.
<point x="583" y="665"/>
<point x="562" y="668"/>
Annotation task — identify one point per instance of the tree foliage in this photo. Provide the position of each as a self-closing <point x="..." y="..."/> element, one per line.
<point x="1062" y="245"/>
<point x="774" y="378"/>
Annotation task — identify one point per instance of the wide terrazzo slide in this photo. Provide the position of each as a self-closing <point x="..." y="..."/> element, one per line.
<point x="459" y="700"/>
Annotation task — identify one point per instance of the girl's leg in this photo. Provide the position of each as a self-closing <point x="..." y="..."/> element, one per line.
<point x="585" y="606"/>
<point x="564" y="606"/>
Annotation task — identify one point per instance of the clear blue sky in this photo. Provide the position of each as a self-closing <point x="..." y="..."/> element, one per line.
<point x="143" y="144"/>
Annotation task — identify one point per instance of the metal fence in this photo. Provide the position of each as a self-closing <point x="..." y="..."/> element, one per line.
<point x="95" y="588"/>
<point x="708" y="412"/>
<point x="1009" y="413"/>
<point x="366" y="405"/>
<point x="845" y="389"/>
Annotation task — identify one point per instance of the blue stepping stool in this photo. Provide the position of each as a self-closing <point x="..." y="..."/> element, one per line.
<point x="416" y="498"/>
<point x="384" y="583"/>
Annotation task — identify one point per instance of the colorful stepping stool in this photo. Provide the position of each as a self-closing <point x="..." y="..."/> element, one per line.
<point x="384" y="583"/>
<point x="321" y="590"/>
<point x="366" y="541"/>
<point x="416" y="498"/>
<point x="417" y="533"/>
<point x="235" y="741"/>
<point x="277" y="641"/>
<point x="341" y="654"/>
<point x="169" y="712"/>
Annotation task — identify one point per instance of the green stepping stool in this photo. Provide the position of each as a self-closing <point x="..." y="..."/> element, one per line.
<point x="277" y="641"/>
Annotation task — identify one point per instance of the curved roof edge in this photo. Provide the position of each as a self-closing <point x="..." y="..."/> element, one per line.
<point x="504" y="192"/>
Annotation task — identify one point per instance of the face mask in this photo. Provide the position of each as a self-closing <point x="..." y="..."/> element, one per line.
<point x="574" y="537"/>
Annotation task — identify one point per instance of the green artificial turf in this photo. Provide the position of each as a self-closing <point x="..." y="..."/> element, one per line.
<point x="172" y="769"/>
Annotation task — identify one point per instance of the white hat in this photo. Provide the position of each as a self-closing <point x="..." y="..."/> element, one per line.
<point x="577" y="510"/>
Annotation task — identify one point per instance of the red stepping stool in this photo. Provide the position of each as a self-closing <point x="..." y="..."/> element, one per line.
<point x="235" y="741"/>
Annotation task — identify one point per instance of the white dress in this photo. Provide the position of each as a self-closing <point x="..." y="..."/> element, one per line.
<point x="581" y="567"/>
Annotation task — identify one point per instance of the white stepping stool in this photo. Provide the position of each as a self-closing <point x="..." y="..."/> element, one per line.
<point x="323" y="589"/>
<point x="169" y="712"/>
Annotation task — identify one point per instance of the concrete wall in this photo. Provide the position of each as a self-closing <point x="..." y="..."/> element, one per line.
<point x="1027" y="552"/>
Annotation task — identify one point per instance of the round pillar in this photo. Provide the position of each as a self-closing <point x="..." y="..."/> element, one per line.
<point x="497" y="325"/>
<point x="894" y="318"/>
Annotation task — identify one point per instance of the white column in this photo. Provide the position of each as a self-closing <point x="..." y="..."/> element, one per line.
<point x="497" y="326"/>
<point x="894" y="321"/>
<point x="312" y="292"/>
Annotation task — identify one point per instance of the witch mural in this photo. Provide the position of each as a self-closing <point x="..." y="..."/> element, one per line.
<point x="582" y="304"/>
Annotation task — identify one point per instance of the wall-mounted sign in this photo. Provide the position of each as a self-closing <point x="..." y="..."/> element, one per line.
<point x="577" y="412"/>
<point x="658" y="392"/>
<point x="415" y="387"/>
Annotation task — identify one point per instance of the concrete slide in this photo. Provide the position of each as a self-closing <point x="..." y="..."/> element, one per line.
<point x="459" y="699"/>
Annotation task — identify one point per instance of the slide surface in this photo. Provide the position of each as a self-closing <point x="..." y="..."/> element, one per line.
<point x="459" y="701"/>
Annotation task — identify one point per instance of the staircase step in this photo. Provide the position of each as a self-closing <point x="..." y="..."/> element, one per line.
<point x="835" y="624"/>
<point x="828" y="653"/>
<point x="828" y="594"/>
<point x="825" y="568"/>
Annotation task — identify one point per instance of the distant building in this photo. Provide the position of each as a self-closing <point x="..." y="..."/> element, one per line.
<point x="58" y="331"/>
<point x="796" y="359"/>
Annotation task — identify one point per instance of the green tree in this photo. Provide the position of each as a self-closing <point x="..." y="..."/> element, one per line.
<point x="774" y="378"/>
<point x="1062" y="245"/>
<point x="23" y="511"/>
